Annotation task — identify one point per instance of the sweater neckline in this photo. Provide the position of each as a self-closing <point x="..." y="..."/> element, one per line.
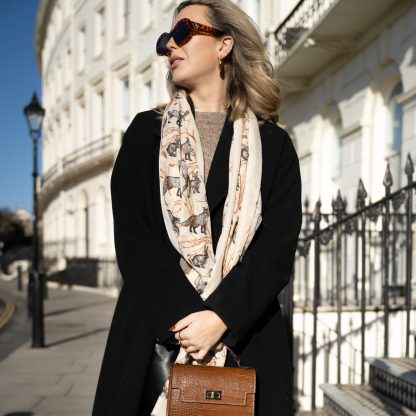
<point x="211" y="112"/>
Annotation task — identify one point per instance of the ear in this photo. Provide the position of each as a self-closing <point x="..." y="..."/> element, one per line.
<point x="225" y="45"/>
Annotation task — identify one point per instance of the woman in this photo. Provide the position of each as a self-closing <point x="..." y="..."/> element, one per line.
<point x="197" y="281"/>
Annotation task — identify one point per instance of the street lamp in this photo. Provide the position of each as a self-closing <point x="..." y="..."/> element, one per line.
<point x="34" y="115"/>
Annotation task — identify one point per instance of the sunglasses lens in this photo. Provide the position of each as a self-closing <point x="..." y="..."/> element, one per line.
<point x="161" y="44"/>
<point x="180" y="35"/>
<point x="181" y="32"/>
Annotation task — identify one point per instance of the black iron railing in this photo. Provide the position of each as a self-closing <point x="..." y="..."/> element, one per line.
<point x="301" y="20"/>
<point x="361" y="259"/>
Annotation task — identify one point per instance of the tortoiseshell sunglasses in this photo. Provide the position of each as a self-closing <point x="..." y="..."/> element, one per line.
<point x="183" y="32"/>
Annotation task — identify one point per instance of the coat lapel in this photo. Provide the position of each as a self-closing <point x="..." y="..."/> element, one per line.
<point x="217" y="180"/>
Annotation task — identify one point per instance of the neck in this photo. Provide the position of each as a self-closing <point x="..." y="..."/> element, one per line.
<point x="208" y="100"/>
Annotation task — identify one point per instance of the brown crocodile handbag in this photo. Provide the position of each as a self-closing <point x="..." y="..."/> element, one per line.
<point x="208" y="390"/>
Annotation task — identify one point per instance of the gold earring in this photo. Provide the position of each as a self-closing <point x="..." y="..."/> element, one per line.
<point x="221" y="66"/>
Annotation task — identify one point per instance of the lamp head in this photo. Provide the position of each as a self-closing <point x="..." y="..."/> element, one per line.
<point x="34" y="115"/>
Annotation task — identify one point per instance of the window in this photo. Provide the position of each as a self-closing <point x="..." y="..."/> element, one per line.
<point x="336" y="149"/>
<point x="80" y="121"/>
<point x="100" y="221"/>
<point x="100" y="32"/>
<point x="126" y="103"/>
<point x="59" y="82"/>
<point x="330" y="157"/>
<point x="66" y="132"/>
<point x="82" y="48"/>
<point x="394" y="127"/>
<point x="145" y="14"/>
<point x="394" y="120"/>
<point x="100" y="115"/>
<point x="125" y="18"/>
<point x="67" y="66"/>
<point x="146" y="95"/>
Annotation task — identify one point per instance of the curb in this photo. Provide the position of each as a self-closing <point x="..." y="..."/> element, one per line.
<point x="111" y="292"/>
<point x="8" y="312"/>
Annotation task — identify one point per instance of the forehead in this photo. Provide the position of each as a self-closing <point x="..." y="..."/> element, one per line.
<point x="195" y="12"/>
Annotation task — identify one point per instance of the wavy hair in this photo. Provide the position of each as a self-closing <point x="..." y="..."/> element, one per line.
<point x="250" y="72"/>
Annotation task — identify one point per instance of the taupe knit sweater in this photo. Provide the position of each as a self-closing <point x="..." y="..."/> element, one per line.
<point x="209" y="125"/>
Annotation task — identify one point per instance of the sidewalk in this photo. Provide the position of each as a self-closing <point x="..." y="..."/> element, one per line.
<point x="60" y="379"/>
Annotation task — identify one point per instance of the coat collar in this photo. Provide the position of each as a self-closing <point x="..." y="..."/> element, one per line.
<point x="217" y="180"/>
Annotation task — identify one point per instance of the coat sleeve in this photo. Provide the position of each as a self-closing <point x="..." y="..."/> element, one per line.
<point x="149" y="266"/>
<point x="253" y="285"/>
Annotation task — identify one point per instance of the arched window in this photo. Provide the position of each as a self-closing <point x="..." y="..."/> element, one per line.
<point x="330" y="165"/>
<point x="335" y="148"/>
<point x="393" y="138"/>
<point x="395" y="120"/>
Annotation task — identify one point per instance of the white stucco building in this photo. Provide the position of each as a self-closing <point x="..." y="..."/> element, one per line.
<point x="348" y="97"/>
<point x="348" y="74"/>
<point x="99" y="68"/>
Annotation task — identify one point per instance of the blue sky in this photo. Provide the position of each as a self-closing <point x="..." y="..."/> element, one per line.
<point x="19" y="78"/>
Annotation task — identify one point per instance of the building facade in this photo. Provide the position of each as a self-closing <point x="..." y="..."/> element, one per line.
<point x="99" y="68"/>
<point x="348" y="75"/>
<point x="347" y="71"/>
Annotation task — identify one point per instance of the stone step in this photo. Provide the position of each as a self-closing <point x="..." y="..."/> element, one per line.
<point x="360" y="400"/>
<point x="395" y="378"/>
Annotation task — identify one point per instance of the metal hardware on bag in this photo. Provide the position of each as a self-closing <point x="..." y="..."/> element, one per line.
<point x="213" y="394"/>
<point x="189" y="358"/>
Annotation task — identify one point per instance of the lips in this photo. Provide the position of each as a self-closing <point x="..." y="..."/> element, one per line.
<point x="174" y="60"/>
<point x="175" y="63"/>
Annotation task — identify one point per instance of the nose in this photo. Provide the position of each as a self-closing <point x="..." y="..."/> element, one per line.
<point x="171" y="43"/>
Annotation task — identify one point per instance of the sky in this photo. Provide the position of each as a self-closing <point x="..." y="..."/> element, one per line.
<point x="19" y="78"/>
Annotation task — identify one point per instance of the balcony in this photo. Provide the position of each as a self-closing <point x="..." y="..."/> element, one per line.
<point x="317" y="32"/>
<point x="90" y="152"/>
<point x="93" y="156"/>
<point x="50" y="174"/>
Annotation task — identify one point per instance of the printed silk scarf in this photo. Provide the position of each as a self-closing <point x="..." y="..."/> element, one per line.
<point x="185" y="207"/>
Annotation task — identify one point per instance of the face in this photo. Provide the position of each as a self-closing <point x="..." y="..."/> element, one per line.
<point x="200" y="55"/>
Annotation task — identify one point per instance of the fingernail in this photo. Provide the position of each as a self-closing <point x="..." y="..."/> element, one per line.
<point x="172" y="328"/>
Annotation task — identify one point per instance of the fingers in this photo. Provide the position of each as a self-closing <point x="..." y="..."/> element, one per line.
<point x="182" y="323"/>
<point x="180" y="335"/>
<point x="189" y="348"/>
<point x="200" y="355"/>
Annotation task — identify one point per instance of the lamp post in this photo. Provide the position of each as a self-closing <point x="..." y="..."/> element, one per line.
<point x="34" y="115"/>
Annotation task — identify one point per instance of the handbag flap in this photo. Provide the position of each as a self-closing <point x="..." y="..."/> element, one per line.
<point x="209" y="384"/>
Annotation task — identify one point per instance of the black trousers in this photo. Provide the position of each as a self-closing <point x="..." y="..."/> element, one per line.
<point x="158" y="372"/>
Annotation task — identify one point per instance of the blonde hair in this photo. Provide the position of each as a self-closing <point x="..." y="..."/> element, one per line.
<point x="250" y="72"/>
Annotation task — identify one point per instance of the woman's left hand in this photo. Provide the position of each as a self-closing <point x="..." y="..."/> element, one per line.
<point x="199" y="332"/>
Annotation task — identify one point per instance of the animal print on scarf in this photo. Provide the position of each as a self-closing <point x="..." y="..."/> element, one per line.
<point x="185" y="207"/>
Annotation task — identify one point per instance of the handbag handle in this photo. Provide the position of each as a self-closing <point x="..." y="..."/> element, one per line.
<point x="236" y="358"/>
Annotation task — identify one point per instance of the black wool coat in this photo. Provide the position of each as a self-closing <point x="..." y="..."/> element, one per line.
<point x="156" y="293"/>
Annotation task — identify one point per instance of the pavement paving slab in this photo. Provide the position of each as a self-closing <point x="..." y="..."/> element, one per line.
<point x="60" y="379"/>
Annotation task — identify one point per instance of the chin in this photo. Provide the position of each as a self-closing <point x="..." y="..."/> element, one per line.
<point x="179" y="80"/>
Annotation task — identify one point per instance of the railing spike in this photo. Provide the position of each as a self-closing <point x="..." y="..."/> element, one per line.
<point x="337" y="204"/>
<point x="408" y="167"/>
<point x="306" y="203"/>
<point x="316" y="216"/>
<point x="361" y="192"/>
<point x="388" y="179"/>
<point x="361" y="195"/>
